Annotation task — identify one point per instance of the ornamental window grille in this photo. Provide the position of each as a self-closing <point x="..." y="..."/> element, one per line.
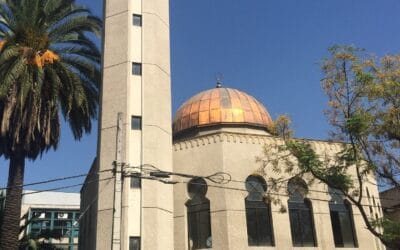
<point x="258" y="213"/>
<point x="301" y="214"/>
<point x="198" y="214"/>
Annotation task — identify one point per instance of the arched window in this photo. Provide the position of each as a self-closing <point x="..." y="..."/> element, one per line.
<point x="300" y="214"/>
<point x="198" y="209"/>
<point x="258" y="213"/>
<point x="342" y="221"/>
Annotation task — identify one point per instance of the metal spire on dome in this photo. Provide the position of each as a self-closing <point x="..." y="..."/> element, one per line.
<point x="219" y="78"/>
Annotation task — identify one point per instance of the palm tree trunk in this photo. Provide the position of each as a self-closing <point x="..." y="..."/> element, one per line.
<point x="12" y="211"/>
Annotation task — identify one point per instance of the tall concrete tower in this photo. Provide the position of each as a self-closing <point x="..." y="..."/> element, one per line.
<point x="134" y="130"/>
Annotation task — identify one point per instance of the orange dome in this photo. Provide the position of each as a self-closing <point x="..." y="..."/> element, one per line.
<point x="221" y="106"/>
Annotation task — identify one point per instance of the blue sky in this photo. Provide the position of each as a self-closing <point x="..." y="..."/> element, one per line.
<point x="269" y="49"/>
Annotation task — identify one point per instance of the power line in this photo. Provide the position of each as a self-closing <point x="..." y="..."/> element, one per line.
<point x="151" y="168"/>
<point x="271" y="193"/>
<point x="53" y="180"/>
<point x="329" y="193"/>
<point x="92" y="202"/>
<point x="217" y="177"/>
<point x="60" y="188"/>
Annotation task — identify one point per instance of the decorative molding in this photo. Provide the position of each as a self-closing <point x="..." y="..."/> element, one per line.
<point x="235" y="138"/>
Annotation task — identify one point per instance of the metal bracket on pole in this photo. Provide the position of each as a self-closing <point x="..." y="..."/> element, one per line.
<point x="117" y="211"/>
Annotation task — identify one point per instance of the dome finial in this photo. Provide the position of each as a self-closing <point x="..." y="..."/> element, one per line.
<point x="219" y="78"/>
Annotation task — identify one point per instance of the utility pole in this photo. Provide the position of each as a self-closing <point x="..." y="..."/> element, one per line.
<point x="117" y="212"/>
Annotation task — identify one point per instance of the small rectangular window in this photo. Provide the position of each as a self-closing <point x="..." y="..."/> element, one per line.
<point x="137" y="20"/>
<point x="134" y="243"/>
<point x="136" y="69"/>
<point x="136" y="182"/>
<point x="136" y="123"/>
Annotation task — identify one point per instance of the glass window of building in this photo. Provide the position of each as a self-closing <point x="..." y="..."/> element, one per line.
<point x="198" y="213"/>
<point x="60" y="224"/>
<point x="136" y="123"/>
<point x="137" y="20"/>
<point x="258" y="213"/>
<point x="134" y="243"/>
<point x="301" y="214"/>
<point x="136" y="69"/>
<point x="342" y="221"/>
<point x="136" y="182"/>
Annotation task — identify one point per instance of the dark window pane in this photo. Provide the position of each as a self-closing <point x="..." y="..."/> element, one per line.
<point x="259" y="225"/>
<point x="337" y="234"/>
<point x="137" y="20"/>
<point x="347" y="229"/>
<point x="199" y="220"/>
<point x="307" y="228"/>
<point x="258" y="213"/>
<point x="264" y="226"/>
<point x="136" y="182"/>
<point x="136" y="123"/>
<point x="134" y="243"/>
<point x="342" y="225"/>
<point x="295" y="227"/>
<point x="301" y="224"/>
<point x="199" y="225"/>
<point x="251" y="217"/>
<point x="137" y="69"/>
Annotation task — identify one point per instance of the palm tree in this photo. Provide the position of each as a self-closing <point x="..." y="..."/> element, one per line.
<point x="49" y="67"/>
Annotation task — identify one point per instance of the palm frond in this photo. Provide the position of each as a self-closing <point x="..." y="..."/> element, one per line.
<point x="76" y="24"/>
<point x="16" y="69"/>
<point x="35" y="89"/>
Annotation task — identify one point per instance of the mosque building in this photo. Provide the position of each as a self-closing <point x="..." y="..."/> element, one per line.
<point x="193" y="182"/>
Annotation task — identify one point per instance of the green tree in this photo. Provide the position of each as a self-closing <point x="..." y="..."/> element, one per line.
<point x="49" y="67"/>
<point x="364" y="112"/>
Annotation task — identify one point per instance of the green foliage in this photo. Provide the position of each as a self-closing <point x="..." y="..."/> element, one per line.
<point x="40" y="241"/>
<point x="49" y="67"/>
<point x="281" y="127"/>
<point x="359" y="124"/>
<point x="391" y="230"/>
<point x="364" y="112"/>
<point x="49" y="70"/>
<point x="309" y="162"/>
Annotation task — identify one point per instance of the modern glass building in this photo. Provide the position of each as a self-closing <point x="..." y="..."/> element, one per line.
<point x="54" y="214"/>
<point x="60" y="223"/>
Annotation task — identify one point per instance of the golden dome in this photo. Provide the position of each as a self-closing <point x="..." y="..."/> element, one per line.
<point x="221" y="106"/>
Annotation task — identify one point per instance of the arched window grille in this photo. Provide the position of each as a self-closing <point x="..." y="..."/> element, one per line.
<point x="301" y="214"/>
<point x="258" y="213"/>
<point x="198" y="213"/>
<point x="342" y="221"/>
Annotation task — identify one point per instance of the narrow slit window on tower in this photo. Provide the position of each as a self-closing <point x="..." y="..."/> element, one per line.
<point x="134" y="243"/>
<point x="137" y="20"/>
<point x="136" y="123"/>
<point x="136" y="69"/>
<point x="136" y="182"/>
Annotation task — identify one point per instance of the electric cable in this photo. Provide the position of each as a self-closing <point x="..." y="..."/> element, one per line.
<point x="269" y="193"/>
<point x="59" y="188"/>
<point x="53" y="180"/>
<point x="153" y="168"/>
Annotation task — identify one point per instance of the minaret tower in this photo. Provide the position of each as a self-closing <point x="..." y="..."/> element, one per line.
<point x="135" y="127"/>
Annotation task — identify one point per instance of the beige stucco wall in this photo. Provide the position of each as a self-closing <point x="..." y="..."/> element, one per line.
<point x="234" y="152"/>
<point x="145" y="212"/>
